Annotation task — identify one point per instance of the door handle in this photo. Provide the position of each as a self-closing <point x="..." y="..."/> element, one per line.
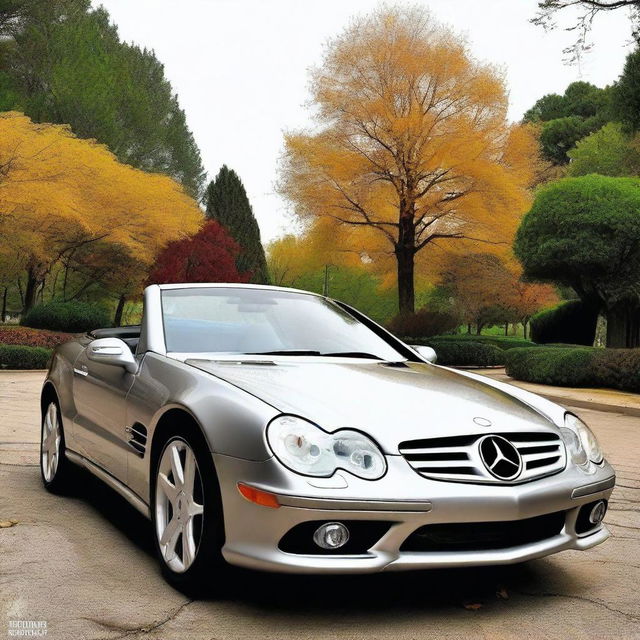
<point x="82" y="371"/>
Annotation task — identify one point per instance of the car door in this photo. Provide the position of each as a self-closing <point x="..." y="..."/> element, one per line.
<point x="100" y="392"/>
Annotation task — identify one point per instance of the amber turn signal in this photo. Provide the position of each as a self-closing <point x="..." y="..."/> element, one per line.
<point x="263" y="498"/>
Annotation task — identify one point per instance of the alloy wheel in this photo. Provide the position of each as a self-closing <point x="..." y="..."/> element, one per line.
<point x="51" y="437"/>
<point x="179" y="505"/>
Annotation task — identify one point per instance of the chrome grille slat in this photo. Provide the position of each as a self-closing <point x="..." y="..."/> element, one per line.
<point x="457" y="458"/>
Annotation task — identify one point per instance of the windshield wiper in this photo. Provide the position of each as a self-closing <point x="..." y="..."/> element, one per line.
<point x="286" y="352"/>
<point x="352" y="354"/>
<point x="309" y="352"/>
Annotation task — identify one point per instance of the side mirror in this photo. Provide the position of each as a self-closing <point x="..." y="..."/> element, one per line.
<point x="112" y="351"/>
<point x="426" y="353"/>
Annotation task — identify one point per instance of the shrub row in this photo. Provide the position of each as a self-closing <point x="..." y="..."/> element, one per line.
<point x="571" y="322"/>
<point x="576" y="367"/>
<point x="501" y="342"/>
<point x="32" y="337"/>
<point x="21" y="357"/>
<point x="72" y="316"/>
<point x="464" y="354"/>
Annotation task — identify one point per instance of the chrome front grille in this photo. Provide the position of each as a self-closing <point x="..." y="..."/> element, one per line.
<point x="458" y="459"/>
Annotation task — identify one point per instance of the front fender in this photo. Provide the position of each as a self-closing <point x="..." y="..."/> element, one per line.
<point x="232" y="421"/>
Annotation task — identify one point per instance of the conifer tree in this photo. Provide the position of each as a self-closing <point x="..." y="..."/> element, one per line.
<point x="227" y="202"/>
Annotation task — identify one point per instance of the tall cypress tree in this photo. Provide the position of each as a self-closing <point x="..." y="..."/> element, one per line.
<point x="227" y="202"/>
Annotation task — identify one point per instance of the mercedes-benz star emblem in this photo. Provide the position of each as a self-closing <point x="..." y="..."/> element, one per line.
<point x="500" y="457"/>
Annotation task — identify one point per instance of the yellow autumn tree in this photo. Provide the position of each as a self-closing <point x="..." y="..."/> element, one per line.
<point x="412" y="145"/>
<point x="61" y="195"/>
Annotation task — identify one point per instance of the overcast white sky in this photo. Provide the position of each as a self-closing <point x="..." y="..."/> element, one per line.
<point x="240" y="67"/>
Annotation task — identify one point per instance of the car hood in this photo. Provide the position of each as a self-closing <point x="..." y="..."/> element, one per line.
<point x="390" y="402"/>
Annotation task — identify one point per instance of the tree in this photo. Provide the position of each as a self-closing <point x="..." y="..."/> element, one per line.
<point x="64" y="63"/>
<point x="559" y="136"/>
<point x="585" y="233"/>
<point x="608" y="151"/>
<point x="413" y="145"/>
<point x="590" y="9"/>
<point x="626" y="93"/>
<point x="479" y="285"/>
<point x="565" y="119"/>
<point x="528" y="298"/>
<point x="62" y="197"/>
<point x="207" y="256"/>
<point x="580" y="98"/>
<point x="483" y="289"/>
<point x="227" y="202"/>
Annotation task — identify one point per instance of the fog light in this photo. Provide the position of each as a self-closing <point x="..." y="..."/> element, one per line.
<point x="331" y="535"/>
<point x="597" y="513"/>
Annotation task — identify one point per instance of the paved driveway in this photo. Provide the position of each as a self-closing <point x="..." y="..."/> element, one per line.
<point x="85" y="566"/>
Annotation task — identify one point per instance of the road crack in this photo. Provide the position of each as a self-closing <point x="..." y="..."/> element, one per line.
<point x="551" y="594"/>
<point x="147" y="628"/>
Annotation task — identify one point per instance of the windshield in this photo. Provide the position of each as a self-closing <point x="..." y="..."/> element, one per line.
<point x="264" y="321"/>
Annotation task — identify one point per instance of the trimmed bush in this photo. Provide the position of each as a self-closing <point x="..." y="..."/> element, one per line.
<point x="571" y="322"/>
<point x="465" y="354"/>
<point x="576" y="367"/>
<point x="21" y="357"/>
<point x="423" y="323"/>
<point x="502" y="342"/>
<point x="32" y="337"/>
<point x="74" y="316"/>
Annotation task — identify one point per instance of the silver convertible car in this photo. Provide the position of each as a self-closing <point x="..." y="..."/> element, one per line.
<point x="281" y="430"/>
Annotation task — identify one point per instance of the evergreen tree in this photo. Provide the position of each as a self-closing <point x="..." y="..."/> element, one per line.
<point x="62" y="62"/>
<point x="227" y="202"/>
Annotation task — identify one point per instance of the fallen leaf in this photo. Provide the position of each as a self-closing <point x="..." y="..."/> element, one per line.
<point x="472" y="606"/>
<point x="502" y="594"/>
<point x="4" y="524"/>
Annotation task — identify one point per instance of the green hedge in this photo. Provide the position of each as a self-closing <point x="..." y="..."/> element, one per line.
<point x="571" y="322"/>
<point x="74" y="316"/>
<point x="20" y="357"/>
<point x="576" y="367"/>
<point x="501" y="342"/>
<point x="465" y="354"/>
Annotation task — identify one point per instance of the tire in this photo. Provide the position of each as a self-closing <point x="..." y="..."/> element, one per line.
<point x="187" y="520"/>
<point x="55" y="469"/>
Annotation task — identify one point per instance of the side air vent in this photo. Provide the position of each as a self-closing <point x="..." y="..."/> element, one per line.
<point x="137" y="438"/>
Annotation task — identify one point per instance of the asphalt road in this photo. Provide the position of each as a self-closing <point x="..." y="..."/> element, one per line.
<point x="84" y="565"/>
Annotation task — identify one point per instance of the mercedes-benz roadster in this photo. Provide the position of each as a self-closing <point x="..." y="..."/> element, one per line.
<point x="281" y="430"/>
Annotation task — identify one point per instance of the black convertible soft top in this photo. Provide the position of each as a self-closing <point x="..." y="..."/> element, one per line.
<point x="131" y="331"/>
<point x="130" y="335"/>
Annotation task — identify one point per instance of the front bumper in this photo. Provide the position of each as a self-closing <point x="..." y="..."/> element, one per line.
<point x="404" y="499"/>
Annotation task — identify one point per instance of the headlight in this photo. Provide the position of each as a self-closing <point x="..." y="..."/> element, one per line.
<point x="307" y="449"/>
<point x="581" y="443"/>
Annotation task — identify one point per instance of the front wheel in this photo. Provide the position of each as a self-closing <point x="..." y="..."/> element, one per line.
<point x="187" y="513"/>
<point x="55" y="468"/>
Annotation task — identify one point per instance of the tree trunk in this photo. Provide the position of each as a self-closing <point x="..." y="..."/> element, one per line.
<point x="406" y="292"/>
<point x="525" y="324"/>
<point x="117" y="319"/>
<point x="623" y="328"/>
<point x="479" y="328"/>
<point x="506" y="328"/>
<point x="31" y="290"/>
<point x="469" y="328"/>
<point x="405" y="253"/>
<point x="4" y="305"/>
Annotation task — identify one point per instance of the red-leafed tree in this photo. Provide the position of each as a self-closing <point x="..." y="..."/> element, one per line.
<point x="208" y="256"/>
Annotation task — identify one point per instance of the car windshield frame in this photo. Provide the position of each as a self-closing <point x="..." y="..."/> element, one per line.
<point x="265" y="322"/>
